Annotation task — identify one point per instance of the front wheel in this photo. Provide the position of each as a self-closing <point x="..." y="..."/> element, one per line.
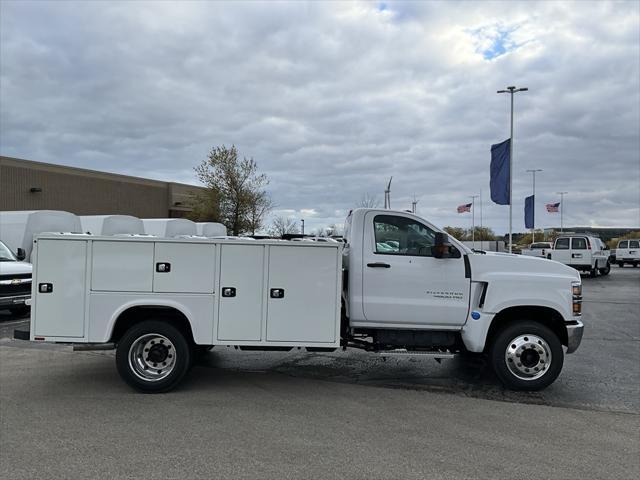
<point x="153" y="356"/>
<point x="527" y="356"/>
<point x="606" y="269"/>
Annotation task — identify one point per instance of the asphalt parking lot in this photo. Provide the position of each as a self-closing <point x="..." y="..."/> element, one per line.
<point x="341" y="415"/>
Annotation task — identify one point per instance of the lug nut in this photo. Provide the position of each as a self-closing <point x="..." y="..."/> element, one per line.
<point x="170" y="356"/>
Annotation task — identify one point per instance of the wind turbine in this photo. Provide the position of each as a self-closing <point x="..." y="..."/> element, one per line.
<point x="387" y="195"/>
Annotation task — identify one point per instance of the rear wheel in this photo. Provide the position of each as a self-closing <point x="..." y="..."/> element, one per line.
<point x="593" y="273"/>
<point x="153" y="356"/>
<point x="527" y="356"/>
<point x="606" y="269"/>
<point x="621" y="264"/>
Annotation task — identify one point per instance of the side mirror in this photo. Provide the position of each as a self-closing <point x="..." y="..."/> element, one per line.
<point x="20" y="254"/>
<point x="441" y="247"/>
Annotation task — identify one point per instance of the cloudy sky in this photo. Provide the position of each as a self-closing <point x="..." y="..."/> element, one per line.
<point x="333" y="98"/>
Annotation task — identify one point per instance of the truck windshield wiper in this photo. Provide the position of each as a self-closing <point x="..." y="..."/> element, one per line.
<point x="482" y="252"/>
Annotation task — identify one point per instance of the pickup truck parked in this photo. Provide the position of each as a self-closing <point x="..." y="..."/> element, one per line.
<point x="628" y="251"/>
<point x="15" y="281"/>
<point x="397" y="286"/>
<point x="582" y="252"/>
<point x="538" y="249"/>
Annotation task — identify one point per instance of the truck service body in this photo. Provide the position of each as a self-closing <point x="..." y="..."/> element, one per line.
<point x="397" y="285"/>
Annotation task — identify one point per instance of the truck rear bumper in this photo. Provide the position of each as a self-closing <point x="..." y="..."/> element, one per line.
<point x="575" y="330"/>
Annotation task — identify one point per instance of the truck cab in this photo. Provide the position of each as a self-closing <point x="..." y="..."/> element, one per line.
<point x="411" y="286"/>
<point x="15" y="281"/>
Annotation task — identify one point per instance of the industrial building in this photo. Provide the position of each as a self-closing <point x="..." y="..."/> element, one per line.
<point x="29" y="185"/>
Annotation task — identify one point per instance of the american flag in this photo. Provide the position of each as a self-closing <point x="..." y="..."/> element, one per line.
<point x="464" y="208"/>
<point x="552" y="207"/>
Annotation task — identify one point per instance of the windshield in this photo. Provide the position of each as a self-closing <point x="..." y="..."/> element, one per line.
<point x="6" y="255"/>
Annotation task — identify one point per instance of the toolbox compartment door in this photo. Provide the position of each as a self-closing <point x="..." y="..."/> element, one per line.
<point x="302" y="294"/>
<point x="60" y="276"/>
<point x="184" y="267"/>
<point x="241" y="293"/>
<point x="122" y="266"/>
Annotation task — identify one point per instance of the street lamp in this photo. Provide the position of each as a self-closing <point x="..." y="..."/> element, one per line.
<point x="533" y="229"/>
<point x="562" y="194"/>
<point x="302" y="221"/>
<point x="511" y="90"/>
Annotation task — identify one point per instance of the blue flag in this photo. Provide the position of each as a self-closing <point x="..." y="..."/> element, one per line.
<point x="499" y="182"/>
<point x="529" y="212"/>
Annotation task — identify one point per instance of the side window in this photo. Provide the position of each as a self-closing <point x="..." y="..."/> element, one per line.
<point x="634" y="244"/>
<point x="562" y="244"/>
<point x="578" y="243"/>
<point x="623" y="244"/>
<point x="402" y="236"/>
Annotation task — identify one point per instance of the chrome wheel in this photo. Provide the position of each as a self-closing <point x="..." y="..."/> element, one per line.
<point x="152" y="357"/>
<point x="528" y="357"/>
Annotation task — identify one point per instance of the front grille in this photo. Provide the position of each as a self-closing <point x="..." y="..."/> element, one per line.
<point x="19" y="289"/>
<point x="11" y="276"/>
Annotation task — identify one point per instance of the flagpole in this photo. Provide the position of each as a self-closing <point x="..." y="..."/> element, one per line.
<point x="480" y="211"/>
<point x="473" y="219"/>
<point x="562" y="194"/>
<point x="511" y="90"/>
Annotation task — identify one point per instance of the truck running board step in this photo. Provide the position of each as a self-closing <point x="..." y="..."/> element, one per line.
<point x="410" y="353"/>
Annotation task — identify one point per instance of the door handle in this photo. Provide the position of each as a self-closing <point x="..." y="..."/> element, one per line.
<point x="378" y="265"/>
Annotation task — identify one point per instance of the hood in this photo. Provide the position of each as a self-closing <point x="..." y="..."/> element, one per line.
<point x="505" y="263"/>
<point x="11" y="268"/>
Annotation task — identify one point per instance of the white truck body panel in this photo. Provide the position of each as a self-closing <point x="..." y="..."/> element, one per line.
<point x="111" y="224"/>
<point x="18" y="228"/>
<point x="95" y="279"/>
<point x="169" y="227"/>
<point x="211" y="229"/>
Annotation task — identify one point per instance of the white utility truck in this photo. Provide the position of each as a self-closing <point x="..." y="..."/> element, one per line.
<point x="628" y="251"/>
<point x="582" y="252"/>
<point x="397" y="285"/>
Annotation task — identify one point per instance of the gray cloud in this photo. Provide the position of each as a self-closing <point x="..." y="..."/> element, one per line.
<point x="333" y="98"/>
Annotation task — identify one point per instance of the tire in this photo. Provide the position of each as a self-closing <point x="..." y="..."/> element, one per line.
<point x="543" y="351"/>
<point x="606" y="269"/>
<point x="635" y="265"/>
<point x="20" y="312"/>
<point x="621" y="264"/>
<point x="593" y="273"/>
<point x="164" y="346"/>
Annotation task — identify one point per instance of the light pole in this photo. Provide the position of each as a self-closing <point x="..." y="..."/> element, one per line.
<point x="533" y="229"/>
<point x="511" y="90"/>
<point x="473" y="219"/>
<point x="302" y="222"/>
<point x="562" y="194"/>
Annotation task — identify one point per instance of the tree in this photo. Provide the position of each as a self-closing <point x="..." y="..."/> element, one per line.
<point x="283" y="226"/>
<point x="368" y="201"/>
<point x="456" y="232"/>
<point x="236" y="194"/>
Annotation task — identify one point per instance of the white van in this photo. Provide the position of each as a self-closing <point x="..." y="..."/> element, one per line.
<point x="18" y="228"/>
<point x="111" y="225"/>
<point x="169" y="227"/>
<point x="582" y="252"/>
<point x="628" y="251"/>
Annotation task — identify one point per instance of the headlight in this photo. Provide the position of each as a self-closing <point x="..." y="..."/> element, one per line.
<point x="576" y="291"/>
